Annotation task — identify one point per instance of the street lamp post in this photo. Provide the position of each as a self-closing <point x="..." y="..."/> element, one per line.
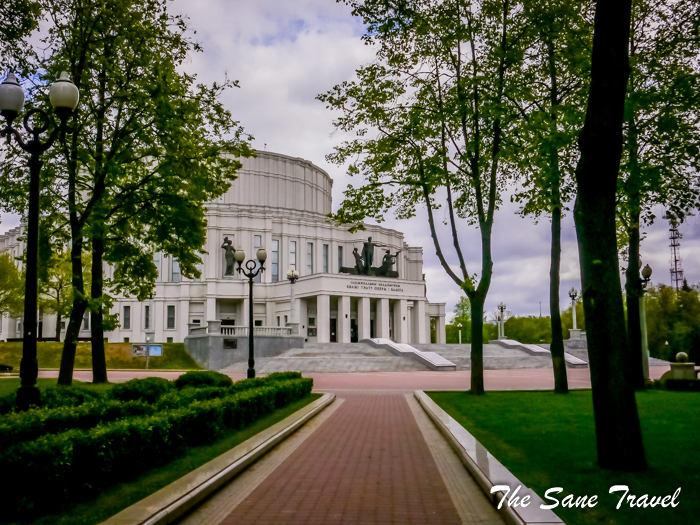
<point x="574" y="295"/>
<point x="253" y="271"/>
<point x="502" y="310"/>
<point x="459" y="325"/>
<point x="646" y="277"/>
<point x="148" y="350"/>
<point x="293" y="275"/>
<point x="64" y="98"/>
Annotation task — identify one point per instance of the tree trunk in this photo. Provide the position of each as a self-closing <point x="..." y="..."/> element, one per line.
<point x="99" y="361"/>
<point x="561" y="383"/>
<point x="65" y="375"/>
<point x="477" y="348"/>
<point x="633" y="286"/>
<point x="618" y="432"/>
<point x="58" y="327"/>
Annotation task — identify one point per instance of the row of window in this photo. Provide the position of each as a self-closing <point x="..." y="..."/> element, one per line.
<point x="126" y="317"/>
<point x="274" y="268"/>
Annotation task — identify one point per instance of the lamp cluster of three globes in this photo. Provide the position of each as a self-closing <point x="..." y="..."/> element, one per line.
<point x="63" y="95"/>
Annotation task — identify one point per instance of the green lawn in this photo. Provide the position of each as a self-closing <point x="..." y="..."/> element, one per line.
<point x="9" y="385"/>
<point x="548" y="440"/>
<point x="118" y="356"/>
<point x="121" y="496"/>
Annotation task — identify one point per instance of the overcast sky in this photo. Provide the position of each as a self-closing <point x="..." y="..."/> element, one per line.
<point x="285" y="53"/>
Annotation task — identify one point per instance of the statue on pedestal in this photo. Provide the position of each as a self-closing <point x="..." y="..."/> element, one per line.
<point x="363" y="262"/>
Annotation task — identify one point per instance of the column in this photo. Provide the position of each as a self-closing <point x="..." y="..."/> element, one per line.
<point x="211" y="309"/>
<point x="242" y="318"/>
<point x="382" y="319"/>
<point x="159" y="321"/>
<point x="270" y="311"/>
<point x="183" y="314"/>
<point x="440" y="336"/>
<point x="418" y="319"/>
<point x="363" y="318"/>
<point x="323" y="318"/>
<point x="401" y="321"/>
<point x="343" y="319"/>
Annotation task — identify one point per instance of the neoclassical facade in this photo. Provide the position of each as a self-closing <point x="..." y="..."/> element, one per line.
<point x="281" y="203"/>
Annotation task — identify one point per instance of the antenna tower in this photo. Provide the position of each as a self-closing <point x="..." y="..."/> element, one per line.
<point x="676" y="268"/>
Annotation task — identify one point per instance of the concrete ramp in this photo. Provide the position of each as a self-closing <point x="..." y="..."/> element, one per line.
<point x="432" y="360"/>
<point x="536" y="350"/>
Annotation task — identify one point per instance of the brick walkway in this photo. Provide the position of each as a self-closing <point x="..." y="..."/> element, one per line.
<point x="369" y="464"/>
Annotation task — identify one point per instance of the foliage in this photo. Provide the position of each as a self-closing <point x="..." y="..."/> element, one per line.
<point x="529" y="330"/>
<point x="682" y="385"/>
<point x="30" y="425"/>
<point x="11" y="286"/>
<point x="18" y="19"/>
<point x="203" y="378"/>
<point x="147" y="389"/>
<point x="73" y="465"/>
<point x="673" y="322"/>
<point x="68" y="396"/>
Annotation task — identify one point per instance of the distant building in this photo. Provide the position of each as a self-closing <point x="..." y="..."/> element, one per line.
<point x="281" y="203"/>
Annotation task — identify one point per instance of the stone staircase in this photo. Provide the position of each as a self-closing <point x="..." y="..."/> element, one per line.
<point x="496" y="357"/>
<point x="332" y="357"/>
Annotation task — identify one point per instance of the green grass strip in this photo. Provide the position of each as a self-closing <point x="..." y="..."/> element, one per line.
<point x="548" y="440"/>
<point x="123" y="495"/>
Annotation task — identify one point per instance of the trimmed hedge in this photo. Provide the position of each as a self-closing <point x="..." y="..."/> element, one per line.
<point x="148" y="389"/>
<point x="203" y="378"/>
<point x="683" y="385"/>
<point x="77" y="464"/>
<point x="30" y="425"/>
<point x="55" y="397"/>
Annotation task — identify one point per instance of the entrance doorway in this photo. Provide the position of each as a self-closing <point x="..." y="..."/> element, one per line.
<point x="372" y="329"/>
<point x="353" y="330"/>
<point x="334" y="326"/>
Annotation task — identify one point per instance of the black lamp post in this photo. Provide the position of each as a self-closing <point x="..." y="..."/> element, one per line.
<point x="64" y="98"/>
<point x="253" y="271"/>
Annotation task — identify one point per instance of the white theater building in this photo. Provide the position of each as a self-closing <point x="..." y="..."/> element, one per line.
<point x="280" y="203"/>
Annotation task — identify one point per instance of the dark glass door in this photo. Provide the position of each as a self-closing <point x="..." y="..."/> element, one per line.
<point x="334" y="325"/>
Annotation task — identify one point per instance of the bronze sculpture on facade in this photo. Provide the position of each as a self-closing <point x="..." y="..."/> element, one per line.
<point x="363" y="261"/>
<point x="229" y="253"/>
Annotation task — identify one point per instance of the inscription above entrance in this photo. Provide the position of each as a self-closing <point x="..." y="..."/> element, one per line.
<point x="375" y="286"/>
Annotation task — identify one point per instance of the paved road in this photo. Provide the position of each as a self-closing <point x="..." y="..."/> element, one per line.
<point x="526" y="379"/>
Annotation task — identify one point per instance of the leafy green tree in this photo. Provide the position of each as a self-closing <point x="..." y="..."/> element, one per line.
<point x="147" y="148"/>
<point x="11" y="286"/>
<point x="555" y="84"/>
<point x="55" y="292"/>
<point x="529" y="330"/>
<point x="431" y="115"/>
<point x="18" y="18"/>
<point x="618" y="432"/>
<point x="673" y="322"/>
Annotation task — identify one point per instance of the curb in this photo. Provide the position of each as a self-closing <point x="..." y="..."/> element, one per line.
<point x="486" y="469"/>
<point x="171" y="502"/>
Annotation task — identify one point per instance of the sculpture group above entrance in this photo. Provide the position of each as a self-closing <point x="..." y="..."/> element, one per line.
<point x="364" y="260"/>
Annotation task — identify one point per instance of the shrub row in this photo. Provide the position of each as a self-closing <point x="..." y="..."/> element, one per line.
<point x="30" y="425"/>
<point x="77" y="464"/>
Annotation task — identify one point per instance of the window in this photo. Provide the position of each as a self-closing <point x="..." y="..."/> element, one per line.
<point x="126" y="321"/>
<point x="293" y="255"/>
<point x="258" y="322"/>
<point x="275" y="265"/>
<point x="171" y="317"/>
<point x="126" y="339"/>
<point x="340" y="258"/>
<point x="285" y="320"/>
<point x="169" y="340"/>
<point x="86" y="321"/>
<point x="156" y="261"/>
<point x="63" y="325"/>
<point x="257" y="243"/>
<point x="325" y="258"/>
<point x="278" y="320"/>
<point x="309" y="258"/>
<point x="312" y="321"/>
<point x="176" y="277"/>
<point x="147" y="317"/>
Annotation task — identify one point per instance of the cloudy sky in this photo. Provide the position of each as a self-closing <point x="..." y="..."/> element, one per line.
<point x="285" y="53"/>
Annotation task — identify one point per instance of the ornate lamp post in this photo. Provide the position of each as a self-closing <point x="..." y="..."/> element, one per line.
<point x="501" y="319"/>
<point x="646" y="277"/>
<point x="459" y="325"/>
<point x="253" y="270"/>
<point x="574" y="295"/>
<point x="293" y="275"/>
<point x="64" y="98"/>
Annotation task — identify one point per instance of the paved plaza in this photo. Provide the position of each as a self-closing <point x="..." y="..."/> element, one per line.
<point x="372" y="457"/>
